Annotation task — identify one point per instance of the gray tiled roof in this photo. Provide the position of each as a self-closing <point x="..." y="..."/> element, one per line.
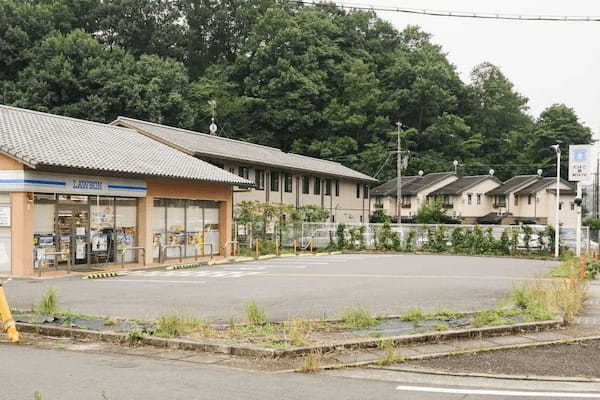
<point x="514" y="183"/>
<point x="49" y="142"/>
<point x="411" y="185"/>
<point x="462" y="184"/>
<point x="215" y="147"/>
<point x="542" y="184"/>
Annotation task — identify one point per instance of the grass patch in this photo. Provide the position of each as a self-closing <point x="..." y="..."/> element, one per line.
<point x="489" y="318"/>
<point x="414" y="315"/>
<point x="311" y="362"/>
<point x="441" y="327"/>
<point x="173" y="325"/>
<point x="442" y="312"/>
<point x="358" y="318"/>
<point x="297" y="332"/>
<point x="255" y="314"/>
<point x="134" y="337"/>
<point x="390" y="356"/>
<point x="48" y="303"/>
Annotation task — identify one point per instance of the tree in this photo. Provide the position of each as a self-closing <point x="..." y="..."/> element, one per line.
<point x="312" y="213"/>
<point x="75" y="75"/>
<point x="432" y="212"/>
<point x="556" y="123"/>
<point x="379" y="217"/>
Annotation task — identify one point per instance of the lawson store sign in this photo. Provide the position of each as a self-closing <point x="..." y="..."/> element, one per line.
<point x="33" y="181"/>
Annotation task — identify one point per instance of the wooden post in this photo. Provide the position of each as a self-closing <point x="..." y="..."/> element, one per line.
<point x="257" y="241"/>
<point x="295" y="246"/>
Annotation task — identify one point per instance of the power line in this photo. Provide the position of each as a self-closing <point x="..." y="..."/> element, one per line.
<point x="454" y="14"/>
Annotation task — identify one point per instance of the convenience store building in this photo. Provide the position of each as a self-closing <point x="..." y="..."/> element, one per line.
<point x="76" y="195"/>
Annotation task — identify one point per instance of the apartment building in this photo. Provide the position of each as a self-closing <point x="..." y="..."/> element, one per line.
<point x="415" y="190"/>
<point x="532" y="199"/>
<point x="279" y="177"/>
<point x="466" y="199"/>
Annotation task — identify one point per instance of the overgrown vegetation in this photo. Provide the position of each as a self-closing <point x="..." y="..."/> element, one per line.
<point x="48" y="303"/>
<point x="174" y="325"/>
<point x="358" y="318"/>
<point x="255" y="314"/>
<point x="311" y="362"/>
<point x="390" y="357"/>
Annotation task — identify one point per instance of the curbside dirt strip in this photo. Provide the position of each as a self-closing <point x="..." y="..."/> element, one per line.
<point x="102" y="275"/>
<point x="254" y="351"/>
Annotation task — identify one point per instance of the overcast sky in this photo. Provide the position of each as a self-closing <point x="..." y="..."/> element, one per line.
<point x="548" y="62"/>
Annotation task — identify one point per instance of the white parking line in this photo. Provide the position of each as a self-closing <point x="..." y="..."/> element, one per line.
<point x="512" y="393"/>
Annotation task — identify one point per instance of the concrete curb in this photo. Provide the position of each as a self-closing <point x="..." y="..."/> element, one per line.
<point x="102" y="275"/>
<point x="255" y="351"/>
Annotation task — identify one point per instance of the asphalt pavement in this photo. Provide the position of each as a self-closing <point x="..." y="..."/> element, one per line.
<point x="293" y="287"/>
<point x="70" y="375"/>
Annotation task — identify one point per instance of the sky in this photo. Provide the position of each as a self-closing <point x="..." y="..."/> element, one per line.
<point x="548" y="62"/>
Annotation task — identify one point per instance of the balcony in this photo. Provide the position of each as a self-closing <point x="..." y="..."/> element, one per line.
<point x="406" y="205"/>
<point x="378" y="206"/>
<point x="500" y="205"/>
<point x="447" y="206"/>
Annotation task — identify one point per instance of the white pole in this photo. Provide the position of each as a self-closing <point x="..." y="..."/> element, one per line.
<point x="557" y="226"/>
<point x="578" y="233"/>
<point x="399" y="180"/>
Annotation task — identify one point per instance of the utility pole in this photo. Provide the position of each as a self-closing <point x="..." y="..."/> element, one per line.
<point x="399" y="178"/>
<point x="556" y="148"/>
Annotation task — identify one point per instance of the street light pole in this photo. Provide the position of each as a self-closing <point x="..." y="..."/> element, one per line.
<point x="399" y="177"/>
<point x="556" y="148"/>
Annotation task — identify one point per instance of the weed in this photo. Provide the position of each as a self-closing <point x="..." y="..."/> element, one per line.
<point x="358" y="318"/>
<point x="489" y="318"/>
<point x="390" y="356"/>
<point x="441" y="327"/>
<point x="312" y="362"/>
<point x="134" y="336"/>
<point x="173" y="325"/>
<point x="414" y="315"/>
<point x="37" y="396"/>
<point x="297" y="331"/>
<point x="441" y="312"/>
<point x="255" y="314"/>
<point x="109" y="322"/>
<point x="48" y="303"/>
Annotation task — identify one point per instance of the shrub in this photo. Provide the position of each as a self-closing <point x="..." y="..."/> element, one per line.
<point x="410" y="239"/>
<point x="458" y="240"/>
<point x="255" y="314"/>
<point x="340" y="235"/>
<point x="48" y="303"/>
<point x="267" y="246"/>
<point x="386" y="238"/>
<point x="504" y="243"/>
<point x="379" y="217"/>
<point x="134" y="336"/>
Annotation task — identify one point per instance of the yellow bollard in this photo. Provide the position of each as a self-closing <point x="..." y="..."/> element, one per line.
<point x="295" y="246"/>
<point x="6" y="316"/>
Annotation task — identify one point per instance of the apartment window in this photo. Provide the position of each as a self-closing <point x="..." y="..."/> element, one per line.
<point x="317" y="185"/>
<point x="365" y="191"/>
<point x="516" y="200"/>
<point x="259" y="179"/>
<point x="274" y="181"/>
<point x="232" y="170"/>
<point x="358" y="190"/>
<point x="572" y="206"/>
<point x="560" y="205"/>
<point x="306" y="184"/>
<point x="244" y="172"/>
<point x="337" y="188"/>
<point x="529" y="199"/>
<point x="327" y="187"/>
<point x="501" y="200"/>
<point x="478" y="198"/>
<point x="288" y="183"/>
<point x="469" y="199"/>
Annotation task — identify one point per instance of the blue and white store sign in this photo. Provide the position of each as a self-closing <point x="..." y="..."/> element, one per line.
<point x="34" y="181"/>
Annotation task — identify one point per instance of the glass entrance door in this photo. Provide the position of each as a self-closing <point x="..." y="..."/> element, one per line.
<point x="72" y="227"/>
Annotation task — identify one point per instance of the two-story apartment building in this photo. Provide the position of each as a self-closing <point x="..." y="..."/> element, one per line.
<point x="279" y="177"/>
<point x="465" y="198"/>
<point x="415" y="190"/>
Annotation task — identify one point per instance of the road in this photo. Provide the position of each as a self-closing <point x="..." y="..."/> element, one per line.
<point x="293" y="287"/>
<point x="70" y="375"/>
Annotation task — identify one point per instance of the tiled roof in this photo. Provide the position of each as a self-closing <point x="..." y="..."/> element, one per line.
<point x="216" y="147"/>
<point x="411" y="185"/>
<point x="513" y="184"/>
<point x="47" y="142"/>
<point x="462" y="184"/>
<point x="542" y="184"/>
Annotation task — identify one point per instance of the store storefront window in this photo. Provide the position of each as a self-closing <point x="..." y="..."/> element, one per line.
<point x="102" y="230"/>
<point x="43" y="229"/>
<point x="126" y="228"/>
<point x="191" y="224"/>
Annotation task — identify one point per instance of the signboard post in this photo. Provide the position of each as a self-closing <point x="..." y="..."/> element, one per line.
<point x="580" y="171"/>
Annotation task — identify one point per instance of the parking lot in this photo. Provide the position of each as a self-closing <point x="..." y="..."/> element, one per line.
<point x="292" y="287"/>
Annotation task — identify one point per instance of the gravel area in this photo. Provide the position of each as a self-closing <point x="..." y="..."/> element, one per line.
<point x="572" y="360"/>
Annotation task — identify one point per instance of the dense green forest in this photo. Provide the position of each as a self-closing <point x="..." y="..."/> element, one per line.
<point x="316" y="80"/>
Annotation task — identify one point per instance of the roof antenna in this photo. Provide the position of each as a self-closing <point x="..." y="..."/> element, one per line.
<point x="492" y="172"/>
<point x="213" y="127"/>
<point x="540" y="172"/>
<point x="421" y="173"/>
